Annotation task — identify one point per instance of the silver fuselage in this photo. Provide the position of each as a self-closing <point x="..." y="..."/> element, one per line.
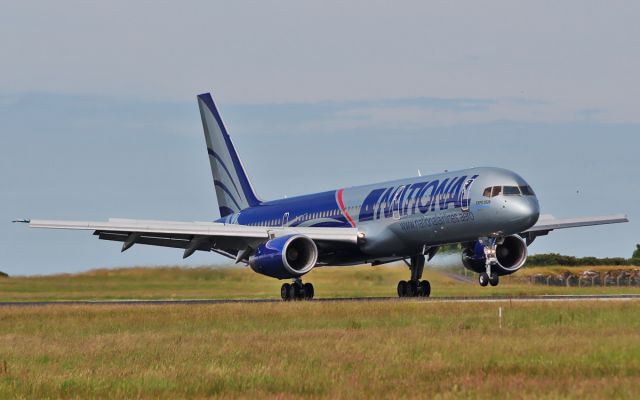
<point x="401" y="217"/>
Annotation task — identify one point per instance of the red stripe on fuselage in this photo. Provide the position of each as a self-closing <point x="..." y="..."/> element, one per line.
<point x="344" y="210"/>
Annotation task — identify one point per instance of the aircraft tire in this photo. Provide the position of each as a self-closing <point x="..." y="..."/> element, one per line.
<point x="285" y="291"/>
<point x="308" y="291"/>
<point x="402" y="288"/>
<point x="293" y="292"/>
<point x="483" y="279"/>
<point x="494" y="279"/>
<point x="413" y="289"/>
<point x="425" y="288"/>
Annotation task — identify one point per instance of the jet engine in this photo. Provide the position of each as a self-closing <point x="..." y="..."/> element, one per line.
<point x="511" y="253"/>
<point x="285" y="257"/>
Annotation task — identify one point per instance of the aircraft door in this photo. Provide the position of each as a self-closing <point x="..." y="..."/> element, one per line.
<point x="395" y="203"/>
<point x="285" y="219"/>
<point x="464" y="195"/>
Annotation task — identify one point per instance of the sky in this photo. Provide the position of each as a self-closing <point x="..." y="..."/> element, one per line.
<point x="98" y="115"/>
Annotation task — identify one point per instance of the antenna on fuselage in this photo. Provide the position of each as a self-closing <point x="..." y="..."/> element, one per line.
<point x="419" y="173"/>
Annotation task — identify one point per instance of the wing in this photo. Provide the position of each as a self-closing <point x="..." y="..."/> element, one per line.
<point x="548" y="223"/>
<point x="231" y="240"/>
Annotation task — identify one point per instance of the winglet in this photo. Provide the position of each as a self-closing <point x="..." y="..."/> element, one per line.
<point x="21" y="221"/>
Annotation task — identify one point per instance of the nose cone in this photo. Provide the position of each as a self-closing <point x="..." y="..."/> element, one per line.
<point x="524" y="211"/>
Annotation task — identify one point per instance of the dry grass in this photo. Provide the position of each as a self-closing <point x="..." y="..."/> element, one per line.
<point x="402" y="349"/>
<point x="225" y="283"/>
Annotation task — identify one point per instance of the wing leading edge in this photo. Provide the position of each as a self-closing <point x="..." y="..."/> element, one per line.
<point x="548" y="223"/>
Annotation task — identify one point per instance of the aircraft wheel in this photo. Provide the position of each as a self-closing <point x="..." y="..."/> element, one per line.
<point x="402" y="288"/>
<point x="308" y="291"/>
<point x="414" y="287"/>
<point x="299" y="290"/>
<point x="425" y="288"/>
<point x="494" y="279"/>
<point x="293" y="292"/>
<point x="285" y="291"/>
<point x="483" y="279"/>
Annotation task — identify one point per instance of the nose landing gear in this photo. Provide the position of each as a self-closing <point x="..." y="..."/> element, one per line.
<point x="485" y="279"/>
<point x="415" y="287"/>
<point x="489" y="277"/>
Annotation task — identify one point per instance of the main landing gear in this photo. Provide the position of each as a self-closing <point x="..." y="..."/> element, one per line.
<point x="415" y="287"/>
<point x="488" y="277"/>
<point x="296" y="291"/>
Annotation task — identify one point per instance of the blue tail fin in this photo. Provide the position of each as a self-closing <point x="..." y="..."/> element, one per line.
<point x="232" y="185"/>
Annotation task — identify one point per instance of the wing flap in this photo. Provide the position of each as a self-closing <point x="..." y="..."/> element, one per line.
<point x="149" y="240"/>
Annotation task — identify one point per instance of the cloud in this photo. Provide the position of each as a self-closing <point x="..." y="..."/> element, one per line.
<point x="570" y="54"/>
<point x="412" y="113"/>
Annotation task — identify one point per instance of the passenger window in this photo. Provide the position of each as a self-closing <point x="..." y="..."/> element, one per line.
<point x="496" y="191"/>
<point x="511" y="191"/>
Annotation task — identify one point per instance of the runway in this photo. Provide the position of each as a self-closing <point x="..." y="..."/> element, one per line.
<point x="123" y="302"/>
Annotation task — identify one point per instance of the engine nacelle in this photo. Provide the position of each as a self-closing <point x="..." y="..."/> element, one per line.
<point x="285" y="257"/>
<point x="511" y="253"/>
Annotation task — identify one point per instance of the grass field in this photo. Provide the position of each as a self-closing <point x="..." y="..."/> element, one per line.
<point x="224" y="283"/>
<point x="398" y="348"/>
<point x="407" y="349"/>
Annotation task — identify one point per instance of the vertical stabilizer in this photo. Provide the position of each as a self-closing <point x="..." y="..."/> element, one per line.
<point x="232" y="185"/>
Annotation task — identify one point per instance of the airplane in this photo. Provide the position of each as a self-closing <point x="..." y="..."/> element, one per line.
<point x="492" y="213"/>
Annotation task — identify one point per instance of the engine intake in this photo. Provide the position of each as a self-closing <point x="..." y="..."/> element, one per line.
<point x="511" y="253"/>
<point x="285" y="257"/>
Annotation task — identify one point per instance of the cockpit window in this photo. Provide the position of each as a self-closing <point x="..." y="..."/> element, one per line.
<point x="527" y="191"/>
<point x="511" y="191"/>
<point x="508" y="191"/>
